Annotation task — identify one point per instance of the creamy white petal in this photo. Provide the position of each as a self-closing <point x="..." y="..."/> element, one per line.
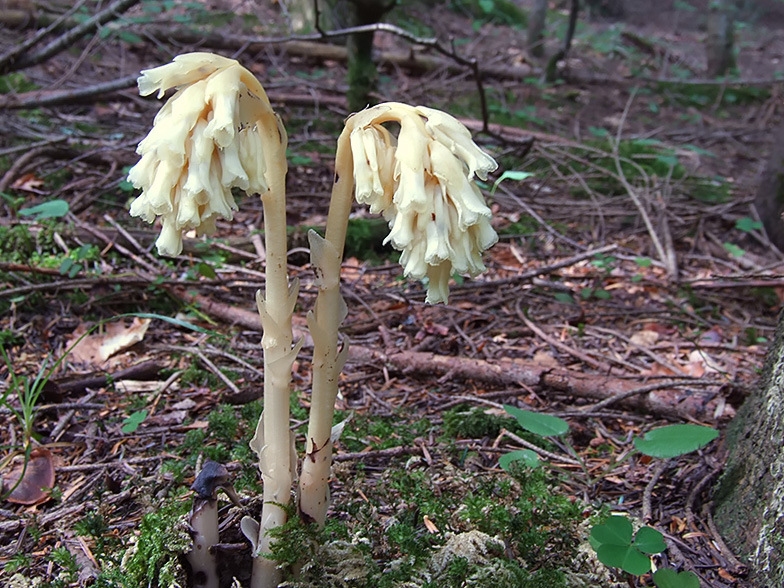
<point x="438" y="283"/>
<point x="252" y="159"/>
<point x="184" y="69"/>
<point x="454" y="135"/>
<point x="222" y="94"/>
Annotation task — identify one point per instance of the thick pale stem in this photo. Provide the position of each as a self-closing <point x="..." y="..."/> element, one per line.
<point x="324" y="323"/>
<point x="276" y="310"/>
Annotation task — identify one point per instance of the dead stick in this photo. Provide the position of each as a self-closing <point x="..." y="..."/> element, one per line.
<point x="141" y="371"/>
<point x="598" y="365"/>
<point x="69" y="37"/>
<point x="687" y="404"/>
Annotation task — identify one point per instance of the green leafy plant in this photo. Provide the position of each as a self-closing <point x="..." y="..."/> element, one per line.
<point x="76" y="261"/>
<point x="515" y="175"/>
<point x="617" y="545"/>
<point x="70" y="568"/>
<point x="544" y="425"/>
<point x="669" y="578"/>
<point x="674" y="440"/>
<point x="734" y="250"/>
<point x="747" y="225"/>
<point x="597" y="293"/>
<point x="132" y="421"/>
<point x="527" y="457"/>
<point x="51" y="209"/>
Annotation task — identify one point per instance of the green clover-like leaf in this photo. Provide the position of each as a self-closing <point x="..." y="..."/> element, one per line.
<point x="669" y="578"/>
<point x="747" y="224"/>
<point x="617" y="546"/>
<point x="544" y="425"/>
<point x="625" y="557"/>
<point x="649" y="540"/>
<point x="52" y="209"/>
<point x="675" y="440"/>
<point x="528" y="457"/>
<point x="132" y="421"/>
<point x="614" y="531"/>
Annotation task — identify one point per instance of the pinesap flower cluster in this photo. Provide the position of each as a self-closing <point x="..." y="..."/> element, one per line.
<point x="422" y="182"/>
<point x="206" y="140"/>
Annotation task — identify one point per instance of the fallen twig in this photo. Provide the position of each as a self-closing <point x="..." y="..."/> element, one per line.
<point x="690" y="404"/>
<point x="65" y="40"/>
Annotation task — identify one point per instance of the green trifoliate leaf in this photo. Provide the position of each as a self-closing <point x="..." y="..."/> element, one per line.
<point x="675" y="440"/>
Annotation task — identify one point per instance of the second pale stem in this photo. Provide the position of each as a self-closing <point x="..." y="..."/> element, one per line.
<point x="314" y="478"/>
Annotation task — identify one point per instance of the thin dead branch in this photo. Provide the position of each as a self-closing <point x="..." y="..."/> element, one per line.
<point x="15" y="62"/>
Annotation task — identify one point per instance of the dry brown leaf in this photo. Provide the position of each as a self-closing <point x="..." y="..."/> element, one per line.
<point x="28" y="183"/>
<point x="37" y="479"/>
<point x="645" y="338"/>
<point x="98" y="348"/>
<point x="700" y="363"/>
<point x="545" y="358"/>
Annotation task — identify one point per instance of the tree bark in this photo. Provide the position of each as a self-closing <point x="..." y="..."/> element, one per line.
<point x="720" y="42"/>
<point x="606" y="8"/>
<point x="769" y="200"/>
<point x="536" y="22"/>
<point x="749" y="497"/>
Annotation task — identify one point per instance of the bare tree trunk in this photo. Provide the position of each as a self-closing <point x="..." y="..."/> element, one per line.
<point x="606" y="8"/>
<point x="769" y="200"/>
<point x="750" y="495"/>
<point x="551" y="69"/>
<point x="302" y="15"/>
<point x="536" y="22"/>
<point x="362" y="71"/>
<point x="720" y="42"/>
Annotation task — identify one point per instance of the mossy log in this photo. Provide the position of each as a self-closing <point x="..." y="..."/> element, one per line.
<point x="749" y="497"/>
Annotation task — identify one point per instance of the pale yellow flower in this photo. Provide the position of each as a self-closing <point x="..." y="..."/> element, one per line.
<point x="206" y="140"/>
<point x="423" y="183"/>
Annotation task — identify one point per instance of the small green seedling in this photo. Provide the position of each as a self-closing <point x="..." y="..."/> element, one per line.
<point x="617" y="546"/>
<point x="734" y="250"/>
<point x="537" y="423"/>
<point x="674" y="440"/>
<point x="528" y="457"/>
<point x="518" y="176"/>
<point x="132" y="421"/>
<point x="747" y="225"/>
<point x="669" y="578"/>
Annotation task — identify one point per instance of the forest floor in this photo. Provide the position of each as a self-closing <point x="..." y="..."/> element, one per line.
<point x="580" y="315"/>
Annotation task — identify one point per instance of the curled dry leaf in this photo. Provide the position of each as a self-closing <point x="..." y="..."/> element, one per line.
<point x="37" y="479"/>
<point x="98" y="348"/>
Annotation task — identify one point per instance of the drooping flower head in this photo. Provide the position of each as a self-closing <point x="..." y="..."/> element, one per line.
<point x="207" y="139"/>
<point x="422" y="182"/>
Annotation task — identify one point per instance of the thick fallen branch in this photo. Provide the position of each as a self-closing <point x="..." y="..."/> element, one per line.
<point x="671" y="401"/>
